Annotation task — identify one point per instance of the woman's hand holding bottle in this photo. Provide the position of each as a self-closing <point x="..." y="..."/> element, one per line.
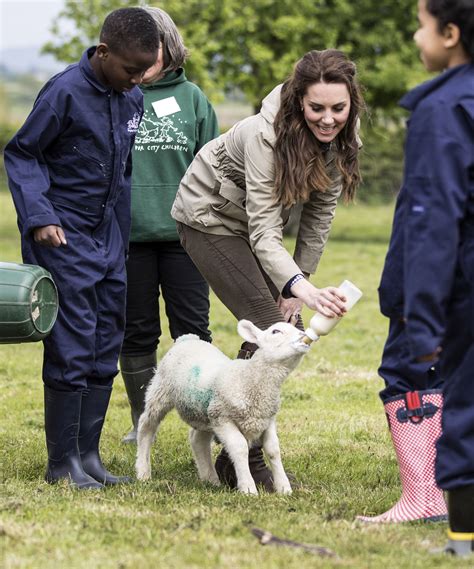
<point x="328" y="301"/>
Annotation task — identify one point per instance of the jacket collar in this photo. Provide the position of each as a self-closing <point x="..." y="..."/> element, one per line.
<point x="271" y="104"/>
<point x="413" y="97"/>
<point x="86" y="69"/>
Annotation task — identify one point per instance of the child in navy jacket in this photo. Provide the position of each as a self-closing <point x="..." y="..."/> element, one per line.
<point x="69" y="174"/>
<point x="427" y="286"/>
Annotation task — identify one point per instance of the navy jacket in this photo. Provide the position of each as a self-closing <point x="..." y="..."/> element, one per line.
<point x="435" y="205"/>
<point x="74" y="150"/>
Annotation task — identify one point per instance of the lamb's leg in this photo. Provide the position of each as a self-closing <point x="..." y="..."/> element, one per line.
<point x="271" y="446"/>
<point x="156" y="407"/>
<point x="238" y="449"/>
<point x="201" y="447"/>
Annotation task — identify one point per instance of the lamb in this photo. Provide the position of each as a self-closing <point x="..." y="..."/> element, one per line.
<point x="235" y="400"/>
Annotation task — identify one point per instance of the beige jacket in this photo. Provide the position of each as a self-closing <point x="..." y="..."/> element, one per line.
<point x="227" y="190"/>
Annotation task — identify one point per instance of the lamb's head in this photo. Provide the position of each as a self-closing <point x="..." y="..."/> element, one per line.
<point x="280" y="342"/>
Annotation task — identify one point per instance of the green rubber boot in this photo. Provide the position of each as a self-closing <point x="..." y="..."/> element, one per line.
<point x="137" y="372"/>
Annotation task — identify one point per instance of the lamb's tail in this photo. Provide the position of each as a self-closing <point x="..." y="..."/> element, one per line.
<point x="158" y="404"/>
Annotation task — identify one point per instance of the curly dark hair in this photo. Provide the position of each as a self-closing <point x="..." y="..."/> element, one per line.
<point x="458" y="12"/>
<point x="130" y="29"/>
<point x="299" y="161"/>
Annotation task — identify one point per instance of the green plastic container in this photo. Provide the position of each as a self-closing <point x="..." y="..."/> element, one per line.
<point x="28" y="303"/>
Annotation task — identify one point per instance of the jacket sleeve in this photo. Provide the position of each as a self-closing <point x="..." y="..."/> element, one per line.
<point x="439" y="156"/>
<point x="265" y="222"/>
<point x="27" y="171"/>
<point x="315" y="224"/>
<point x="123" y="207"/>
<point x="207" y="126"/>
<point x="391" y="281"/>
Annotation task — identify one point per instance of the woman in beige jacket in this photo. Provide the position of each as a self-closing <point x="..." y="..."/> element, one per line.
<point x="237" y="195"/>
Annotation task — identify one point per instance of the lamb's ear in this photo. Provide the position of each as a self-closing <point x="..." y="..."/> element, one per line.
<point x="248" y="331"/>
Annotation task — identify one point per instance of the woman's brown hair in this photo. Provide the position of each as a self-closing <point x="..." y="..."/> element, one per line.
<point x="299" y="161"/>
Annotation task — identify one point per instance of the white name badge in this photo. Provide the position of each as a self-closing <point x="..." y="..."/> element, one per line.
<point x="166" y="107"/>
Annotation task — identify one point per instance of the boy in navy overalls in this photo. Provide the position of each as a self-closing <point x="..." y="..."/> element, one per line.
<point x="69" y="174"/>
<point x="427" y="286"/>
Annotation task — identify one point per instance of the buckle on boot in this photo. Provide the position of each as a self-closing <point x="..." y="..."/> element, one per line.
<point x="415" y="411"/>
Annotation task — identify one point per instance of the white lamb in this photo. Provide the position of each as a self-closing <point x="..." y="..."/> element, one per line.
<point x="237" y="400"/>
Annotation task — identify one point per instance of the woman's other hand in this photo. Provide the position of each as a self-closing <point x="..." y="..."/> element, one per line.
<point x="327" y="301"/>
<point x="290" y="308"/>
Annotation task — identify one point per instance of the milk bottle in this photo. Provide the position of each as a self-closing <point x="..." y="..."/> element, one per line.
<point x="321" y="325"/>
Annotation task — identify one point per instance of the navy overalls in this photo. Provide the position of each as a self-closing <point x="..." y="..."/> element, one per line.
<point x="398" y="368"/>
<point x="70" y="165"/>
<point x="427" y="286"/>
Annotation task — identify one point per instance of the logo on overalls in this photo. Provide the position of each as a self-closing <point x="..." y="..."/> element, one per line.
<point x="132" y="124"/>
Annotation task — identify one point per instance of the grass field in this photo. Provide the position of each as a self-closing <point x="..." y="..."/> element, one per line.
<point x="333" y="436"/>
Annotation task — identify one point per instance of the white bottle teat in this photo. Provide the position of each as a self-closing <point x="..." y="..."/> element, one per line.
<point x="321" y="325"/>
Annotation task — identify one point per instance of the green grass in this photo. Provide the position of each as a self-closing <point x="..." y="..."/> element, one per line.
<point x="333" y="436"/>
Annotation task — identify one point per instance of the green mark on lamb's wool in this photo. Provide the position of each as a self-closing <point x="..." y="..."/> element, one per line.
<point x="198" y="396"/>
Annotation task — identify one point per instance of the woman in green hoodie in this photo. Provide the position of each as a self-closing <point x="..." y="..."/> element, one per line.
<point x="178" y="121"/>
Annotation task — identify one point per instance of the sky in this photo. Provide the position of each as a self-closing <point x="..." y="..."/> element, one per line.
<point x="26" y="23"/>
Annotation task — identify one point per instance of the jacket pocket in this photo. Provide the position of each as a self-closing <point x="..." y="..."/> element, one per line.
<point x="234" y="201"/>
<point x="86" y="157"/>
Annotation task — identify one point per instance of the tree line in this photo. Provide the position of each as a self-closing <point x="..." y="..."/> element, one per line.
<point x="249" y="46"/>
<point x="252" y="45"/>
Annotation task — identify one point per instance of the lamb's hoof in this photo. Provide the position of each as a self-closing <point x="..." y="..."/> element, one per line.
<point x="282" y="485"/>
<point x="212" y="480"/>
<point x="284" y="490"/>
<point x="143" y="476"/>
<point x="248" y="489"/>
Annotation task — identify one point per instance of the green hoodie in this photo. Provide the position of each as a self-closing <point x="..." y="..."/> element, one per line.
<point x="178" y="121"/>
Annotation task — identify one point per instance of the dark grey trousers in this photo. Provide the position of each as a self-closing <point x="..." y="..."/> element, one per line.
<point x="234" y="274"/>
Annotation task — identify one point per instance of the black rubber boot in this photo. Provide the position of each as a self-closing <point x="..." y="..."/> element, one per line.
<point x="225" y="469"/>
<point x="62" y="410"/>
<point x="258" y="469"/>
<point x="137" y="372"/>
<point x="95" y="401"/>
<point x="461" y="521"/>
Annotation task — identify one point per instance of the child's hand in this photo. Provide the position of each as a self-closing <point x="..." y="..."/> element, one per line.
<point x="50" y="236"/>
<point x="430" y="357"/>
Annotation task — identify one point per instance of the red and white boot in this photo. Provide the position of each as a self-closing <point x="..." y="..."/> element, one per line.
<point x="414" y="421"/>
